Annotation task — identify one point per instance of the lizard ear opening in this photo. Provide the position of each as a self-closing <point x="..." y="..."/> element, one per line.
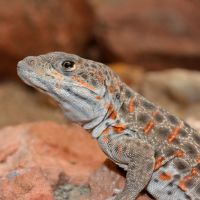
<point x="68" y="66"/>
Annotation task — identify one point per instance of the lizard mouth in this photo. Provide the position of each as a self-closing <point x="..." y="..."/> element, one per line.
<point x="21" y="68"/>
<point x="25" y="73"/>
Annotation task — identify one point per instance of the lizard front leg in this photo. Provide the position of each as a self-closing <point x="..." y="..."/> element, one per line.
<point x="138" y="175"/>
<point x="136" y="156"/>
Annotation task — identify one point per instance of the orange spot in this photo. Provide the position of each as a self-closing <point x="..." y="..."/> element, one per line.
<point x="194" y="171"/>
<point x="150" y="124"/>
<point x="158" y="162"/>
<point x="111" y="89"/>
<point x="83" y="83"/>
<point x="173" y="134"/>
<point x="113" y="115"/>
<point x="148" y="127"/>
<point x="179" y="153"/>
<point x="165" y="176"/>
<point x="118" y="128"/>
<point x="181" y="184"/>
<point x="98" y="97"/>
<point x="131" y="105"/>
<point x="110" y="109"/>
<point x="106" y="131"/>
<point x="104" y="139"/>
<point x="198" y="160"/>
<point x="154" y="113"/>
<point x="111" y="112"/>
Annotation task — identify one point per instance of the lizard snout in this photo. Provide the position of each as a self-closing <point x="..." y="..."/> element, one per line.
<point x="28" y="61"/>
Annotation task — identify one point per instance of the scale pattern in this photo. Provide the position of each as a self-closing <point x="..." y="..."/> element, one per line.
<point x="159" y="150"/>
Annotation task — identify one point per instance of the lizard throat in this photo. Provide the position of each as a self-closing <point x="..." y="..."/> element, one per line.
<point x="109" y="118"/>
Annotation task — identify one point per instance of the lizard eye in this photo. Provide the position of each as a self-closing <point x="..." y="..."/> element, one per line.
<point x="68" y="66"/>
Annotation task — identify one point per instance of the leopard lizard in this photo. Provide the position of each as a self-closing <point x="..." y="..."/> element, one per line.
<point x="159" y="151"/>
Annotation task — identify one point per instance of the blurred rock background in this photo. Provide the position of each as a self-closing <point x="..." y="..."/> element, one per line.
<point x="153" y="45"/>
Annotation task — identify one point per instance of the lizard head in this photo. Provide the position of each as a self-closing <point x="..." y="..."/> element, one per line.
<point x="84" y="89"/>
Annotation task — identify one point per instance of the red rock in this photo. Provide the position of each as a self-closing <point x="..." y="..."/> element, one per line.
<point x="55" y="149"/>
<point x="34" y="27"/>
<point x="26" y="184"/>
<point x="153" y="33"/>
<point x="39" y="157"/>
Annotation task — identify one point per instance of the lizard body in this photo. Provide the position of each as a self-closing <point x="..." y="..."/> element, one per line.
<point x="159" y="151"/>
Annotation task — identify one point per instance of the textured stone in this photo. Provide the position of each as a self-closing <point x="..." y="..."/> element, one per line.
<point x="25" y="184"/>
<point x="153" y="33"/>
<point x="71" y="192"/>
<point x="38" y="160"/>
<point x="32" y="27"/>
<point x="55" y="149"/>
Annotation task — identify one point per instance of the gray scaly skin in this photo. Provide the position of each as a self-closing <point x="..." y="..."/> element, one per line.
<point x="159" y="151"/>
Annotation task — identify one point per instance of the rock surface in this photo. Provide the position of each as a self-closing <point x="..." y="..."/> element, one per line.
<point x="35" y="27"/>
<point x="42" y="161"/>
<point x="25" y="184"/>
<point x="56" y="149"/>
<point x="154" y="34"/>
<point x="71" y="192"/>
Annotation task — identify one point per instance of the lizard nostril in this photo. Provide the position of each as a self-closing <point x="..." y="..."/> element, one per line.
<point x="30" y="60"/>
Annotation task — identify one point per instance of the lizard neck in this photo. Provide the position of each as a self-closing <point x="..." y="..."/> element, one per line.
<point x="110" y="118"/>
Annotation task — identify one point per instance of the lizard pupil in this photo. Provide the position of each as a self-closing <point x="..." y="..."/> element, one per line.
<point x="68" y="65"/>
